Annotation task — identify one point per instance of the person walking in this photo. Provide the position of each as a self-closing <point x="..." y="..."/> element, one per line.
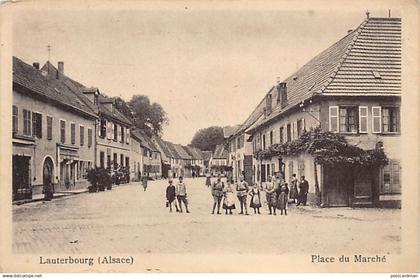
<point x="242" y="189"/>
<point x="229" y="198"/>
<point x="181" y="195"/>
<point x="294" y="188"/>
<point x="170" y="196"/>
<point x="144" y="182"/>
<point x="217" y="193"/>
<point x="271" y="195"/>
<point x="255" y="199"/>
<point x="283" y="198"/>
<point x="303" y="191"/>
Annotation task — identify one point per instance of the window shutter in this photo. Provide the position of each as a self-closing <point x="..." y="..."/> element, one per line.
<point x="303" y="125"/>
<point x="119" y="134"/>
<point x="363" y="119"/>
<point x="333" y="119"/>
<point x="376" y="119"/>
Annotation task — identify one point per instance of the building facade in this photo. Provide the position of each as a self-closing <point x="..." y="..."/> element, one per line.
<point x="354" y="89"/>
<point x="53" y="132"/>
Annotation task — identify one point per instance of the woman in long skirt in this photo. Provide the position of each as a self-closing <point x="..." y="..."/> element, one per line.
<point x="283" y="198"/>
<point x="229" y="198"/>
<point x="255" y="199"/>
<point x="294" y="188"/>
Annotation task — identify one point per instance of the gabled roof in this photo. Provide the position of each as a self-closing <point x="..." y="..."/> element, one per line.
<point x="206" y="155"/>
<point x="220" y="152"/>
<point x="194" y="152"/>
<point x="350" y="67"/>
<point x="230" y="130"/>
<point x="172" y="150"/>
<point x="163" y="146"/>
<point x="145" y="141"/>
<point x="181" y="152"/>
<point x="78" y="89"/>
<point x="52" y="89"/>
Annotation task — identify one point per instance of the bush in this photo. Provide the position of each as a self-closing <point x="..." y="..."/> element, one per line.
<point x="99" y="179"/>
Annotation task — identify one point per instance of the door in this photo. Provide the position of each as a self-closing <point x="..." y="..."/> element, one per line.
<point x="248" y="169"/>
<point x="47" y="175"/>
<point x="21" y="177"/>
<point x="262" y="172"/>
<point x="363" y="185"/>
<point x="337" y="181"/>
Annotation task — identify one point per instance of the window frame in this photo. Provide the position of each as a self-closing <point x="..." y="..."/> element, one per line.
<point x="398" y="124"/>
<point x="15" y="119"/>
<point x="49" y="127"/>
<point x="27" y="122"/>
<point x="81" y="135"/>
<point x="62" y="131"/>
<point x="376" y="117"/>
<point x="330" y="118"/>
<point x="72" y="134"/>
<point x="363" y="118"/>
<point x="90" y="137"/>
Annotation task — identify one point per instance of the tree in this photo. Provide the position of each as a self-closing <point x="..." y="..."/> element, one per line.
<point x="207" y="139"/>
<point x="146" y="115"/>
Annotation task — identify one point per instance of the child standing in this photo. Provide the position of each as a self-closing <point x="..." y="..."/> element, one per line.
<point x="255" y="199"/>
<point x="170" y="196"/>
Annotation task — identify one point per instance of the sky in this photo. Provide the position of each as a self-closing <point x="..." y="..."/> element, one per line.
<point x="205" y="67"/>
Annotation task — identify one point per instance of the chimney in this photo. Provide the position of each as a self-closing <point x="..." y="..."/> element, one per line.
<point x="60" y="67"/>
<point x="36" y="65"/>
<point x="282" y="93"/>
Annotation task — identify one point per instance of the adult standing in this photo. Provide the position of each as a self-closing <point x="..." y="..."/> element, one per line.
<point x="242" y="189"/>
<point x="255" y="199"/>
<point x="271" y="195"/>
<point x="229" y="200"/>
<point x="208" y="179"/>
<point x="294" y="188"/>
<point x="144" y="182"/>
<point x="181" y="195"/>
<point x="303" y="191"/>
<point x="283" y="198"/>
<point x="217" y="192"/>
<point x="170" y="195"/>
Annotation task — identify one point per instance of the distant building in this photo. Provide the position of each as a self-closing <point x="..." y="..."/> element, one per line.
<point x="197" y="161"/>
<point x="53" y="131"/>
<point x="219" y="160"/>
<point x="151" y="156"/>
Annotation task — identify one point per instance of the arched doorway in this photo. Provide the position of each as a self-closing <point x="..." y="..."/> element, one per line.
<point x="47" y="178"/>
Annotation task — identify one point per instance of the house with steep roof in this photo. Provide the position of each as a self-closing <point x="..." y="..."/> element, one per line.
<point x="219" y="160"/>
<point x="113" y="132"/>
<point x="206" y="160"/>
<point x="198" y="160"/>
<point x="353" y="88"/>
<point x="53" y="132"/>
<point x="175" y="160"/>
<point x="165" y="155"/>
<point x="151" y="156"/>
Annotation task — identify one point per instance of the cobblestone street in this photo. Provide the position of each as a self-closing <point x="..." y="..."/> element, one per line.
<point x="129" y="220"/>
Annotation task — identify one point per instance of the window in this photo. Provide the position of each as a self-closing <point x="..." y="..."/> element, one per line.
<point x="333" y="119"/>
<point x="271" y="138"/>
<point x="289" y="132"/>
<point x="390" y="119"/>
<point x="391" y="182"/>
<point x="37" y="124"/>
<point x="15" y="118"/>
<point x="121" y="159"/>
<point x="90" y="137"/>
<point x="115" y="160"/>
<point x="102" y="159"/>
<point x="363" y="119"/>
<point x="281" y="135"/>
<point x="82" y="135"/>
<point x="63" y="131"/>
<point x="102" y="131"/>
<point x="128" y="136"/>
<point x="49" y="127"/>
<point x="263" y="141"/>
<point x="73" y="133"/>
<point x="27" y="122"/>
<point x="348" y="119"/>
<point x="376" y="119"/>
<point x="300" y="126"/>
<point x="122" y="135"/>
<point x="115" y="132"/>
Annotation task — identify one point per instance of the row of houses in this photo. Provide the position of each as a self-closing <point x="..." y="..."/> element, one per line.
<point x="62" y="128"/>
<point x="353" y="89"/>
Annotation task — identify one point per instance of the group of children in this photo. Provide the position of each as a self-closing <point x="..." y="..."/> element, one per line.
<point x="180" y="193"/>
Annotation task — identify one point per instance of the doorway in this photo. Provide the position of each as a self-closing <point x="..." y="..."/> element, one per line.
<point x="21" y="177"/>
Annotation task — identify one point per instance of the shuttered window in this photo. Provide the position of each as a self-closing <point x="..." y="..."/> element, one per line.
<point x="363" y="119"/>
<point x="281" y="135"/>
<point x="73" y="133"/>
<point x="391" y="178"/>
<point x="15" y="118"/>
<point x="27" y="122"/>
<point x="62" y="131"/>
<point x="289" y="132"/>
<point x="82" y="135"/>
<point x="333" y="119"/>
<point x="376" y="119"/>
<point x="37" y="124"/>
<point x="128" y="136"/>
<point x="90" y="139"/>
<point x="390" y="119"/>
<point x="49" y="127"/>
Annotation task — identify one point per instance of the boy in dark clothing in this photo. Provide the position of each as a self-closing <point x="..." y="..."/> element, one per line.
<point x="170" y="196"/>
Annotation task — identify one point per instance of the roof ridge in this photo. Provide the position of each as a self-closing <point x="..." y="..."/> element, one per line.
<point x="357" y="31"/>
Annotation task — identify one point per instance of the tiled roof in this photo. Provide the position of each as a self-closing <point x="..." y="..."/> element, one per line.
<point x="349" y="66"/>
<point x="194" y="152"/>
<point x="52" y="89"/>
<point x="220" y="152"/>
<point x="78" y="89"/>
<point x="145" y="140"/>
<point x="163" y="146"/>
<point x="172" y="149"/>
<point x="206" y="155"/>
<point x="181" y="152"/>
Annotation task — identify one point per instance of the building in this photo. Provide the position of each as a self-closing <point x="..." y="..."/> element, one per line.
<point x="206" y="160"/>
<point x="151" y="156"/>
<point x="53" y="131"/>
<point x="165" y="154"/>
<point x="136" y="158"/>
<point x="197" y="161"/>
<point x="185" y="161"/>
<point x="219" y="161"/>
<point x="175" y="160"/>
<point x="353" y="88"/>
